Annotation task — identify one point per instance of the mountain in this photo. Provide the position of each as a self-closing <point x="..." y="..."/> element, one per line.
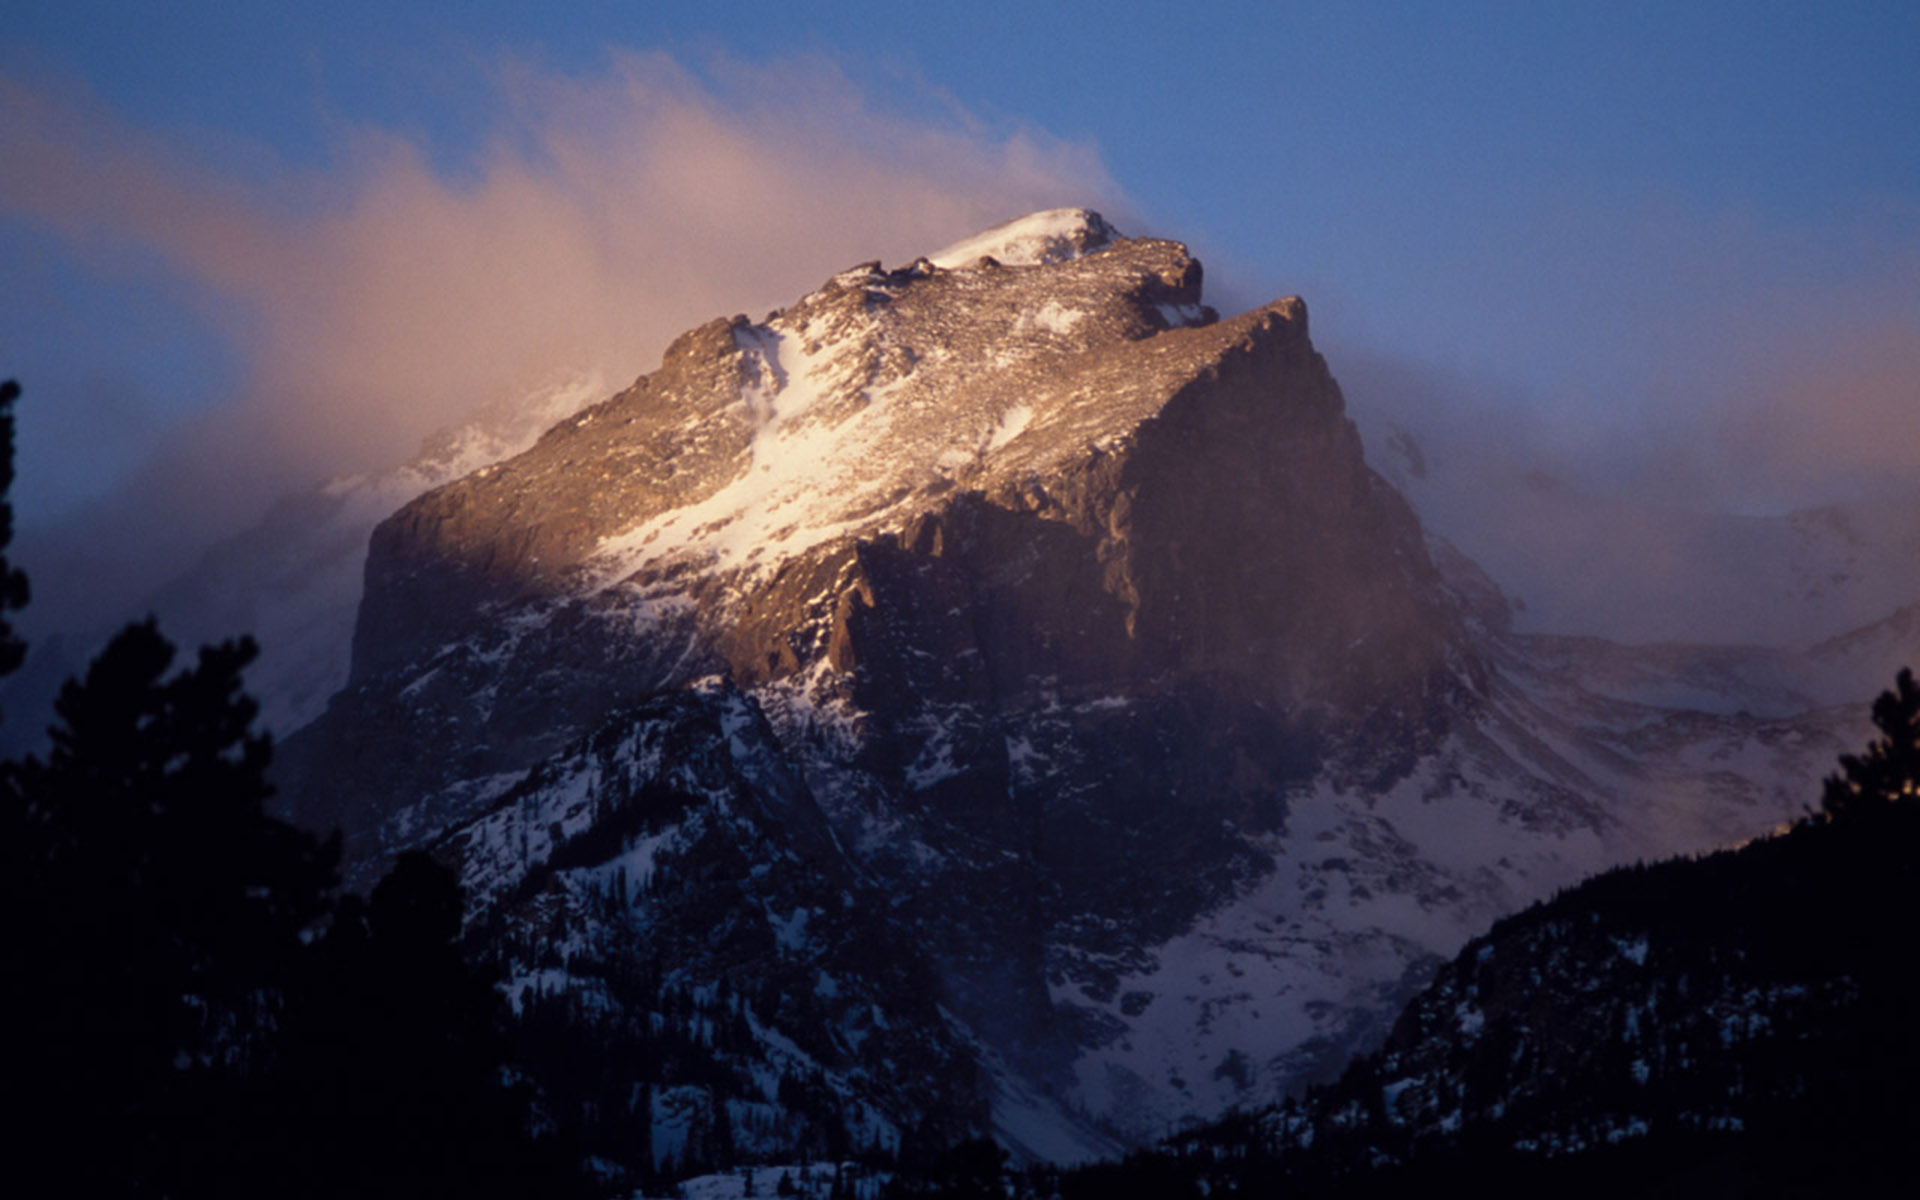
<point x="1110" y="492"/>
<point x="991" y="695"/>
<point x="994" y="550"/>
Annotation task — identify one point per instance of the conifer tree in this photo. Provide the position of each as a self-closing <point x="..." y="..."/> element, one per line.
<point x="1889" y="771"/>
<point x="161" y="960"/>
<point x="154" y="908"/>
<point x="13" y="581"/>
<point x="394" y="1048"/>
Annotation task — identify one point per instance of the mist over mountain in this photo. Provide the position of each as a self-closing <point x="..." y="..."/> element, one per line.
<point x="1715" y="533"/>
<point x="356" y="306"/>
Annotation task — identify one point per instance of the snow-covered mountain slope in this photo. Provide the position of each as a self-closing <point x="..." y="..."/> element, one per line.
<point x="1878" y="651"/>
<point x="1071" y="652"/>
<point x="1295" y="958"/>
<point x="670" y="893"/>
<point x="1280" y="982"/>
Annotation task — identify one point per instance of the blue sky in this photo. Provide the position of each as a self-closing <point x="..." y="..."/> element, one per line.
<point x="1626" y="226"/>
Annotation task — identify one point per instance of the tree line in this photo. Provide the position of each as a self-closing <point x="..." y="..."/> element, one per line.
<point x="201" y="1011"/>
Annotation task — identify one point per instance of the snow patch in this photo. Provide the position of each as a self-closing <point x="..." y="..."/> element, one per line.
<point x="1010" y="427"/>
<point x="814" y="460"/>
<point x="1033" y="240"/>
<point x="1054" y="317"/>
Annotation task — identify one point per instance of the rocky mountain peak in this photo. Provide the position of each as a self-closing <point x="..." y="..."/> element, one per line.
<point x="1054" y="463"/>
<point x="754" y="443"/>
<point x="1034" y="562"/>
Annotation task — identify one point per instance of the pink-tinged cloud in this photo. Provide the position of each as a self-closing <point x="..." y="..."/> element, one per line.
<point x="374" y="302"/>
<point x="1842" y="417"/>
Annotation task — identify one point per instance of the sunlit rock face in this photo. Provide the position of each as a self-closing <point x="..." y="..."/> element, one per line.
<point x="940" y="485"/>
<point x="1043" y="644"/>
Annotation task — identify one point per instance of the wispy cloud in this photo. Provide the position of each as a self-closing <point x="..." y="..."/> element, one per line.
<point x="1836" y="418"/>
<point x="1670" y="515"/>
<point x="375" y="301"/>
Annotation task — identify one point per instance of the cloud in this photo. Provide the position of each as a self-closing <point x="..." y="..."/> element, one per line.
<point x="1838" y="419"/>
<point x="1779" y="368"/>
<point x="369" y="303"/>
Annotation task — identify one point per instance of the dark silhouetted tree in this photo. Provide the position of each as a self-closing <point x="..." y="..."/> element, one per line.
<point x="395" y="1048"/>
<point x="973" y="1170"/>
<point x="13" y="581"/>
<point x="1889" y="771"/>
<point x="154" y="911"/>
<point x="196" y="1014"/>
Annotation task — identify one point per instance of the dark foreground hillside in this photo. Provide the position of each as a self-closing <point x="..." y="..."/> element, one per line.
<point x="1742" y="1024"/>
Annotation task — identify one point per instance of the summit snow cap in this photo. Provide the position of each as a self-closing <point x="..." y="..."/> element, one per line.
<point x="1055" y="235"/>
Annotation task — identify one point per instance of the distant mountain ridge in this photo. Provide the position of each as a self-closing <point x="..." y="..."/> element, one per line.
<point x="1632" y="566"/>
